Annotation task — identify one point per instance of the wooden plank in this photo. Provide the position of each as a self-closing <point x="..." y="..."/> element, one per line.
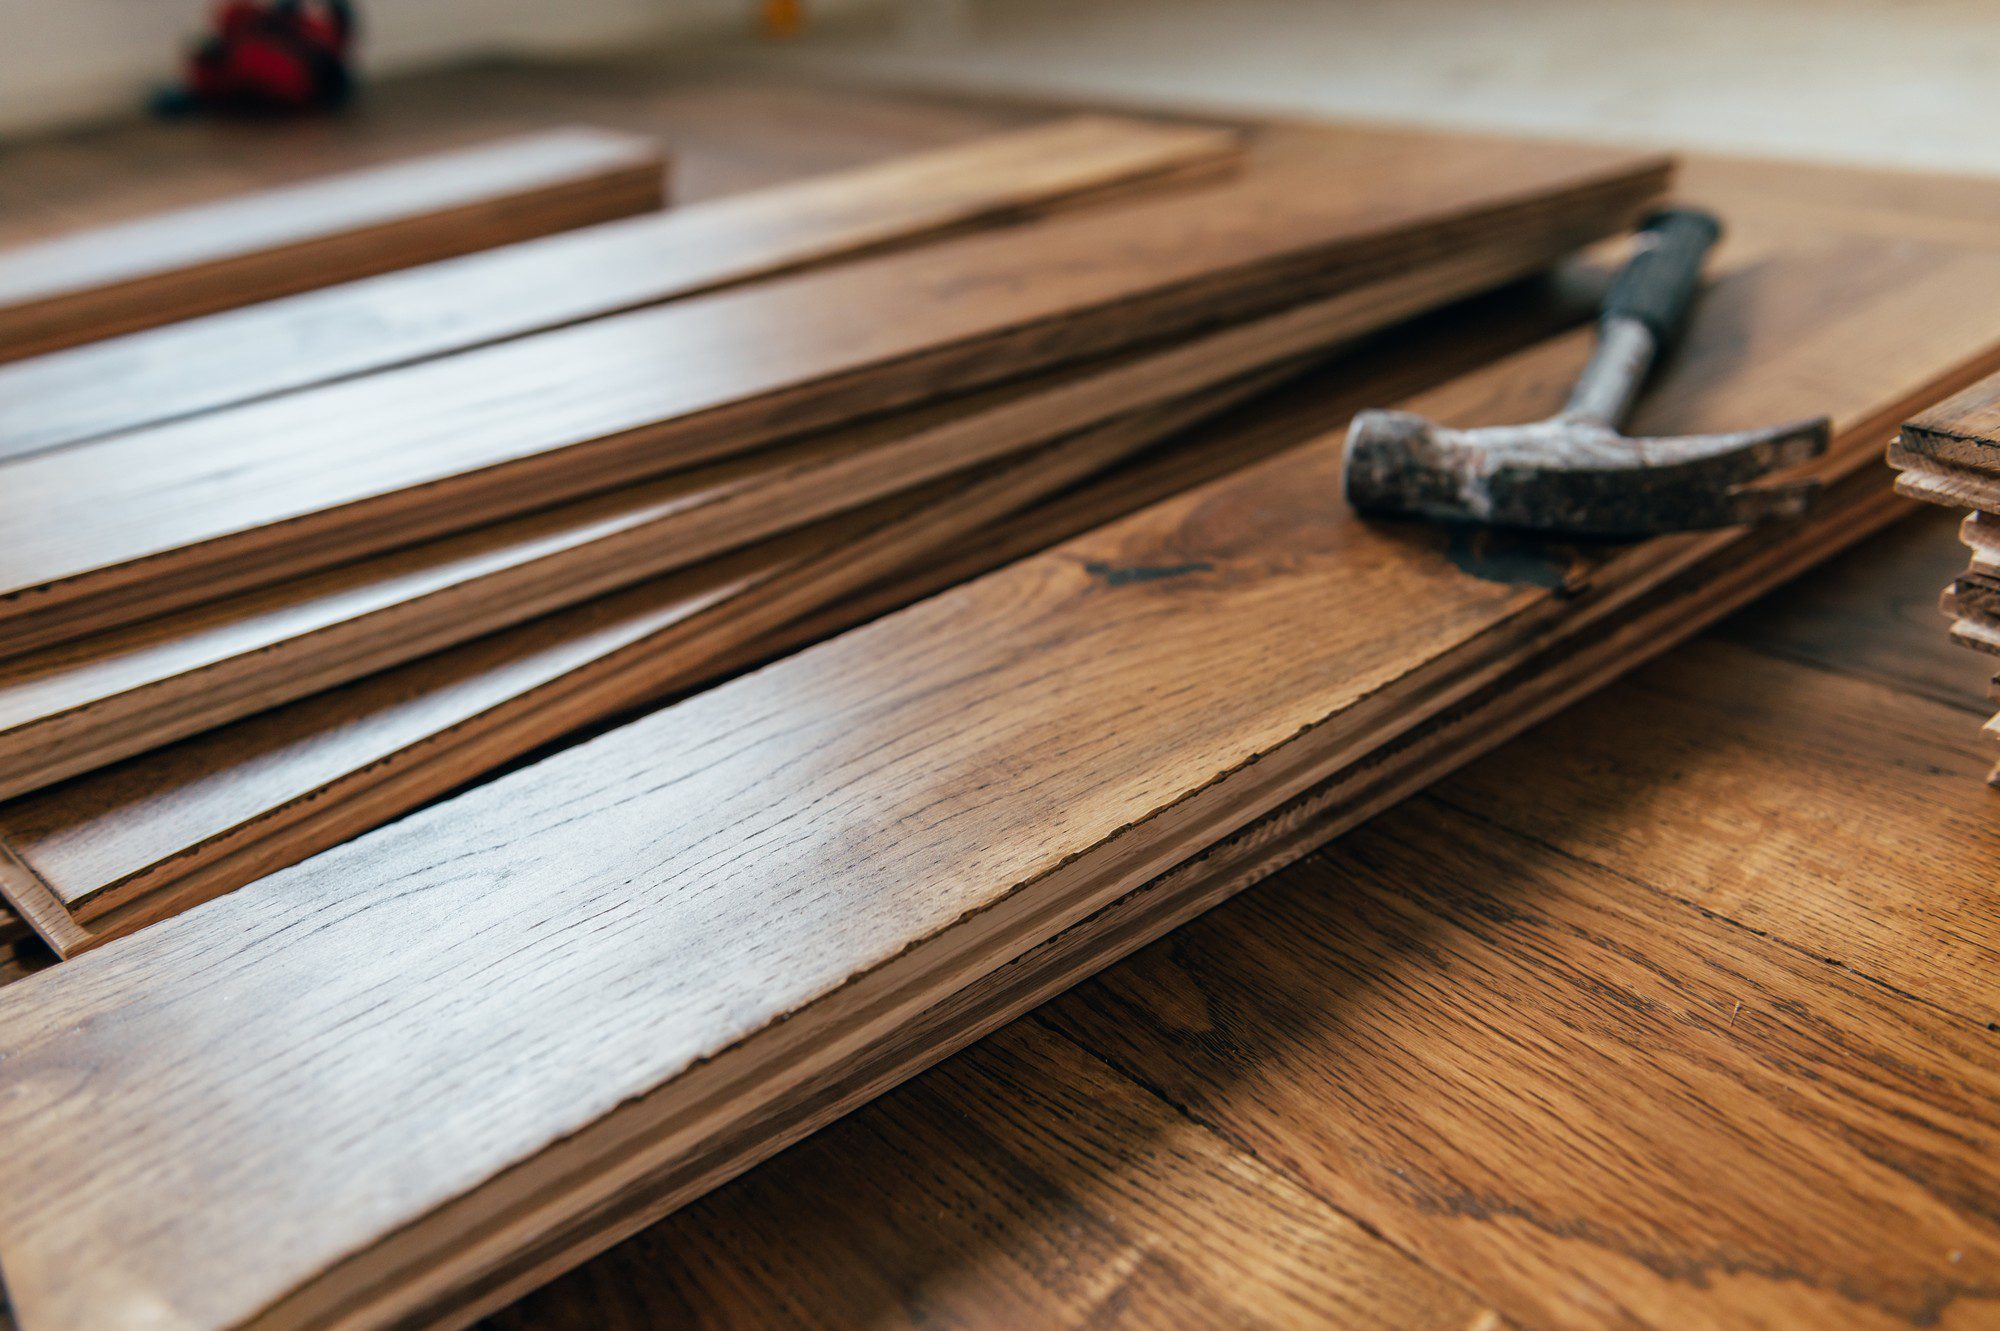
<point x="154" y="270"/>
<point x="1961" y="431"/>
<point x="627" y="955"/>
<point x="142" y="523"/>
<point x="205" y="816"/>
<point x="1024" y="1185"/>
<point x="421" y="313"/>
<point x="81" y="705"/>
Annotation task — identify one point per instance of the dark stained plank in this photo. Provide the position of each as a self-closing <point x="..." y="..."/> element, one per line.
<point x="1022" y="1185"/>
<point x="1590" y="1104"/>
<point x="176" y="265"/>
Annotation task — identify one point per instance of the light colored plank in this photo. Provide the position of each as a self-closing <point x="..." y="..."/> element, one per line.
<point x="429" y="311"/>
<point x="80" y="705"/>
<point x="153" y="270"/>
<point x="684" y="925"/>
<point x="141" y="523"/>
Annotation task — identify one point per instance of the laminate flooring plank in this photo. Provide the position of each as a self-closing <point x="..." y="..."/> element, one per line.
<point x="420" y="313"/>
<point x="139" y="523"/>
<point x="169" y="266"/>
<point x="84" y="704"/>
<point x="1023" y="1185"/>
<point x="668" y="944"/>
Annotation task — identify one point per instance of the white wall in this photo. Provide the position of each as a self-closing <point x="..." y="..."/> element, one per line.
<point x="66" y="60"/>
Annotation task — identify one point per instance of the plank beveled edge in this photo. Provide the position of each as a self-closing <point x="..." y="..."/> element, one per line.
<point x="413" y="314"/>
<point x="96" y="589"/>
<point x="151" y="270"/>
<point x="616" y="543"/>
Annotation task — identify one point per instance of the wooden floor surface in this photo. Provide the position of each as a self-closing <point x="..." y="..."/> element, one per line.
<point x="1678" y="1012"/>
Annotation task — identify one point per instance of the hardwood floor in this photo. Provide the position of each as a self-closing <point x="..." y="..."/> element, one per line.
<point x="1668" y="1014"/>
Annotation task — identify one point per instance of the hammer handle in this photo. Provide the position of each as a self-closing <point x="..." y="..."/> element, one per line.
<point x="1657" y="285"/>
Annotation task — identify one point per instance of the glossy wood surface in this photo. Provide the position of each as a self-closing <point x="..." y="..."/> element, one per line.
<point x="420" y="313"/>
<point x="80" y="705"/>
<point x="176" y="265"/>
<point x="664" y="967"/>
<point x="141" y="523"/>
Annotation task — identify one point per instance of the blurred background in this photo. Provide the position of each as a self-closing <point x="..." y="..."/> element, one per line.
<point x="1882" y="81"/>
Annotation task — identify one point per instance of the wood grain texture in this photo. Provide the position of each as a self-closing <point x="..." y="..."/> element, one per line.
<point x="420" y="313"/>
<point x="144" y="522"/>
<point x="211" y="813"/>
<point x="94" y="862"/>
<point x="1024" y="1185"/>
<point x="1961" y="431"/>
<point x="153" y="270"/>
<point x="1557" y="1086"/>
<point x="652" y="970"/>
<point x="80" y="705"/>
<point x="1883" y="780"/>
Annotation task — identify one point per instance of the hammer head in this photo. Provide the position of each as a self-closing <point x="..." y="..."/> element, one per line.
<point x="1576" y="476"/>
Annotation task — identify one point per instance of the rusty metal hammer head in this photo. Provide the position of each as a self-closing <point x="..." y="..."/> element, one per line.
<point x="1574" y="473"/>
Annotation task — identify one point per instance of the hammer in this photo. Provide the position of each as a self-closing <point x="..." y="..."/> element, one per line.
<point x="1574" y="474"/>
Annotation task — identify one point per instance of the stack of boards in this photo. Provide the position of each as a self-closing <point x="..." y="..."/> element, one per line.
<point x="1950" y="455"/>
<point x="317" y="560"/>
<point x="405" y="1078"/>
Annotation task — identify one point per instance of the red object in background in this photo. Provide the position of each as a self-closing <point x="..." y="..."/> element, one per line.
<point x="274" y="56"/>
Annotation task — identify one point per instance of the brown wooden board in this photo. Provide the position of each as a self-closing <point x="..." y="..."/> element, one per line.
<point x="154" y="270"/>
<point x="1961" y="431"/>
<point x="127" y="527"/>
<point x="545" y="1010"/>
<point x="420" y="313"/>
<point x="151" y="835"/>
<point x="82" y="704"/>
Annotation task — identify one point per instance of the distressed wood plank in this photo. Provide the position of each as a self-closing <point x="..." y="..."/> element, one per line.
<point x="421" y="313"/>
<point x="172" y="515"/>
<point x="154" y="270"/>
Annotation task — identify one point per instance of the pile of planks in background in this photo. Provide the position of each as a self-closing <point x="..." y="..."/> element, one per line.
<point x="1950" y="456"/>
<point x="322" y="560"/>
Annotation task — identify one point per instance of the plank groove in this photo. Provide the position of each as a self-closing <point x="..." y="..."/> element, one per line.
<point x="421" y="313"/>
<point x="153" y="270"/>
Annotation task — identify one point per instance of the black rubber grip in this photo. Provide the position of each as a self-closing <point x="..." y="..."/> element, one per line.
<point x="1657" y="285"/>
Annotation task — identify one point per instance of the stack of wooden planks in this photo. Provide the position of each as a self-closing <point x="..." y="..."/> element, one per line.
<point x="1950" y="455"/>
<point x="248" y="616"/>
<point x="414" y="1075"/>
